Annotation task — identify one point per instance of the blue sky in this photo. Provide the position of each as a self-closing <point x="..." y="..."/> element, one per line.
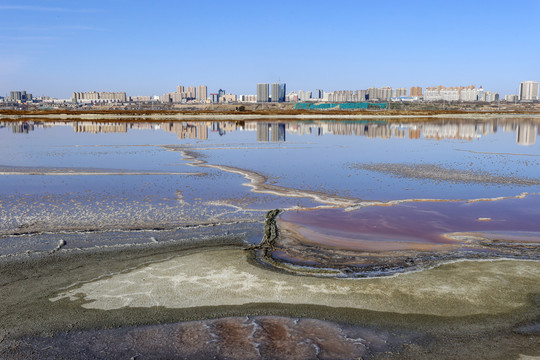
<point x="55" y="47"/>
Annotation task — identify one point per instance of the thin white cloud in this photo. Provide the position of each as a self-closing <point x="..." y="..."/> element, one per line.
<point x="45" y="9"/>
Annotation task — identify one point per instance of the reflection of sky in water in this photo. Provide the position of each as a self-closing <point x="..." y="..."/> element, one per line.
<point x="323" y="163"/>
<point x="61" y="147"/>
<point x="309" y="162"/>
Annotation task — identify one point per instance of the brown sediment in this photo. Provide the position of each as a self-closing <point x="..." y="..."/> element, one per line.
<point x="259" y="337"/>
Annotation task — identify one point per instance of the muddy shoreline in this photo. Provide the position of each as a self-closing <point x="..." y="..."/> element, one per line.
<point x="420" y="116"/>
<point x="32" y="324"/>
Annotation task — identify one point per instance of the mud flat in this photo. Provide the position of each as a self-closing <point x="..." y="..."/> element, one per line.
<point x="439" y="173"/>
<point x="137" y="299"/>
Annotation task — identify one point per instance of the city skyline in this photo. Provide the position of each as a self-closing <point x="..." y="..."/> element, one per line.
<point x="528" y="92"/>
<point x="58" y="47"/>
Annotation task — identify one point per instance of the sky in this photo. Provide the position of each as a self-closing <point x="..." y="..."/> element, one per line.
<point x="55" y="47"/>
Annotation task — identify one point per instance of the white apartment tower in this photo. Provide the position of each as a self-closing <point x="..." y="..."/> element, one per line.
<point x="528" y="91"/>
<point x="401" y="92"/>
<point x="202" y="92"/>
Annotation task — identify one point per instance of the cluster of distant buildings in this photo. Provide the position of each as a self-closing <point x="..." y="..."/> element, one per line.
<point x="98" y="97"/>
<point x="528" y="92"/>
<point x="276" y="92"/>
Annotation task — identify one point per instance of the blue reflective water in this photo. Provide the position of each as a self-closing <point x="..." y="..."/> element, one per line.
<point x="330" y="157"/>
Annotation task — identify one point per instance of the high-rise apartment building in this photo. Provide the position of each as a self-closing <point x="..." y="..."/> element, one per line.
<point x="416" y="91"/>
<point x="19" y="96"/>
<point x="191" y="92"/>
<point x="202" y="92"/>
<point x="385" y="93"/>
<point x="304" y="95"/>
<point x="282" y="92"/>
<point x="401" y="92"/>
<point x="457" y="93"/>
<point x="275" y="92"/>
<point x="278" y="92"/>
<point x="361" y="95"/>
<point x="528" y="91"/>
<point x="372" y="93"/>
<point x="263" y="92"/>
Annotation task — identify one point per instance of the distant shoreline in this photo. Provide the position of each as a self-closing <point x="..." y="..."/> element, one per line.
<point x="159" y="115"/>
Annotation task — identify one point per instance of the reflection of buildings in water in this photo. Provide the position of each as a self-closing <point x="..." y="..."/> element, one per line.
<point x="383" y="131"/>
<point x="202" y="132"/>
<point x="399" y="133"/>
<point x="379" y="131"/>
<point x="454" y="131"/>
<point x="357" y="129"/>
<point x="217" y="128"/>
<point x="22" y="128"/>
<point x="144" y="126"/>
<point x="187" y="131"/>
<point x="414" y="133"/>
<point x="526" y="134"/>
<point x="439" y="132"/>
<point x="509" y="126"/>
<point x="223" y="127"/>
<point x="277" y="131"/>
<point x="271" y="131"/>
<point x="263" y="131"/>
<point x="98" y="127"/>
<point x="303" y="129"/>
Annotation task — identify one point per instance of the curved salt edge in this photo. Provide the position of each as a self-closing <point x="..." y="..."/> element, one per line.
<point x="258" y="184"/>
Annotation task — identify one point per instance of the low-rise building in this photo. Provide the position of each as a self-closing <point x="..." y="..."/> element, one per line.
<point x="105" y="97"/>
